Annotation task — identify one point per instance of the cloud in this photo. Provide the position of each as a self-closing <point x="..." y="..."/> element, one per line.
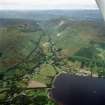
<point x="46" y="4"/>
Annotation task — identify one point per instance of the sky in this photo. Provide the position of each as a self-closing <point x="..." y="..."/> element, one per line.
<point x="47" y="4"/>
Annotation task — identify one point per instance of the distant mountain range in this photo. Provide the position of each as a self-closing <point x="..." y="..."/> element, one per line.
<point x="93" y="15"/>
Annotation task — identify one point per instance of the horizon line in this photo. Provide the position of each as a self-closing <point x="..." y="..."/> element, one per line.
<point x="49" y="9"/>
